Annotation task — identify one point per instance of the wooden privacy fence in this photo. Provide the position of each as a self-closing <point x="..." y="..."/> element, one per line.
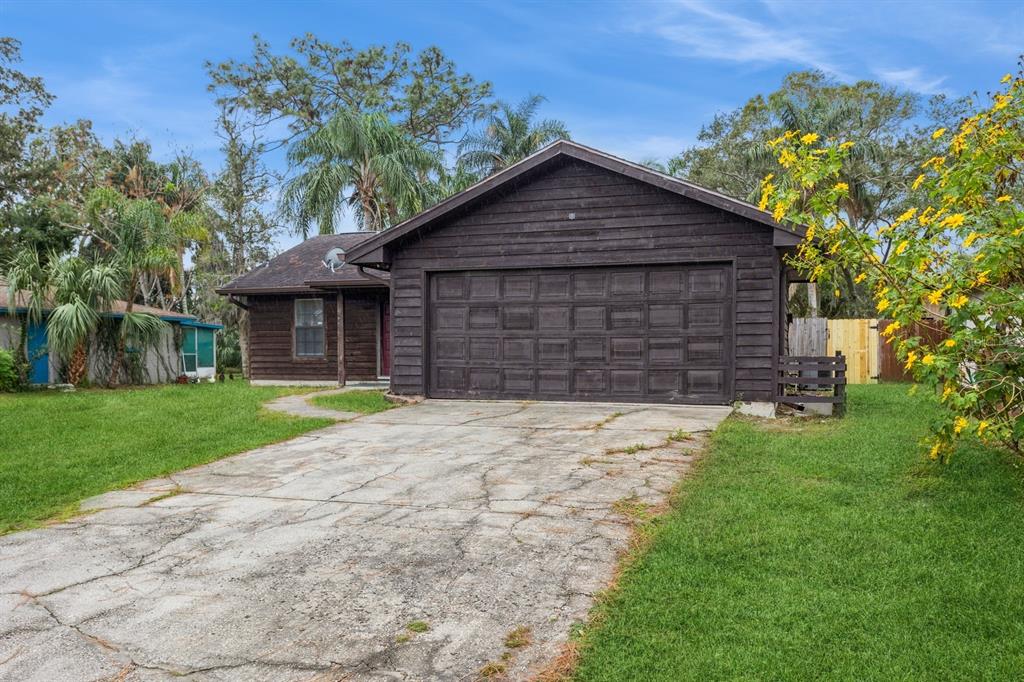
<point x="890" y="368"/>
<point x="869" y="357"/>
<point x="813" y="379"/>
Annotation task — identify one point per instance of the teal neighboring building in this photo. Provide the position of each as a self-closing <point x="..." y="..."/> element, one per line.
<point x="187" y="347"/>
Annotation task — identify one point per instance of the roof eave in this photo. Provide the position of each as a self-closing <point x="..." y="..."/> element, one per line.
<point x="244" y="291"/>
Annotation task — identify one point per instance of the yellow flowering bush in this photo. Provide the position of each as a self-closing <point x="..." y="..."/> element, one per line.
<point x="956" y="256"/>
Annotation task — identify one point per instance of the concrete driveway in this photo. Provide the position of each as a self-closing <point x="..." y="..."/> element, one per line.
<point x="308" y="559"/>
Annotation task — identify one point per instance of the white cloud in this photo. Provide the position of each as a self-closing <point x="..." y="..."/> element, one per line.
<point x="698" y="29"/>
<point x="913" y="79"/>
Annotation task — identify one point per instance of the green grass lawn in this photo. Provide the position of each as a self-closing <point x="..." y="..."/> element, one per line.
<point x="57" y="449"/>
<point x="830" y="550"/>
<point x="363" y="402"/>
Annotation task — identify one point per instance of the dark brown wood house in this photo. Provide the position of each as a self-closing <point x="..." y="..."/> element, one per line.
<point x="299" y="300"/>
<point x="575" y="275"/>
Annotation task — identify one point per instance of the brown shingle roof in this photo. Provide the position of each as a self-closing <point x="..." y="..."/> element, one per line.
<point x="301" y="268"/>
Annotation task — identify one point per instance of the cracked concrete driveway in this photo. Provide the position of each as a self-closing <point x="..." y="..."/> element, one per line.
<point x="307" y="559"/>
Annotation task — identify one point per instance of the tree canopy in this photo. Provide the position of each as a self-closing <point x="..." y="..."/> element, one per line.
<point x="511" y="134"/>
<point x="424" y="93"/>
<point x="890" y="129"/>
<point x="951" y="259"/>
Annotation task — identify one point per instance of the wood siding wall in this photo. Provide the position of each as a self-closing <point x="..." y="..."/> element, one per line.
<point x="271" y="337"/>
<point x="362" y="310"/>
<point x="578" y="214"/>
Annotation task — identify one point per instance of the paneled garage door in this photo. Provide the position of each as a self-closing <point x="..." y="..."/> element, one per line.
<point x="650" y="334"/>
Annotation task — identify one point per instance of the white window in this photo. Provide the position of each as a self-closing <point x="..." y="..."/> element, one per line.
<point x="309" y="327"/>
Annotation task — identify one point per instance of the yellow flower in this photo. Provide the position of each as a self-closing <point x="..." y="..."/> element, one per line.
<point x="780" y="212"/>
<point x="934" y="452"/>
<point x="911" y="359"/>
<point x="905" y="216"/>
<point x="957" y="301"/>
<point x="810" y="233"/>
<point x="845" y="145"/>
<point x="902" y="247"/>
<point x="1001" y="102"/>
<point x="787" y="158"/>
<point x="946" y="393"/>
<point x="934" y="161"/>
<point x="928" y="359"/>
<point x="860" y="278"/>
<point x="883" y="304"/>
<point x="809" y="138"/>
<point x="938" y="133"/>
<point x="982" y="277"/>
<point x="936" y="296"/>
<point x="842" y="187"/>
<point x="982" y="425"/>
<point x="837" y="293"/>
<point x="957" y="145"/>
<point x="1003" y="199"/>
<point x="959" y="424"/>
<point x="949" y="343"/>
<point x="980" y="255"/>
<point x="955" y="220"/>
<point x="969" y="239"/>
<point x="1007" y="78"/>
<point x="891" y="329"/>
<point x="918" y="181"/>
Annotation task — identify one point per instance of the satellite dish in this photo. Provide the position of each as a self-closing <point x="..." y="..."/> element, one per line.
<point x="335" y="258"/>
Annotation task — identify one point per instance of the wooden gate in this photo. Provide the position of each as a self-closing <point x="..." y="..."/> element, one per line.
<point x="857" y="340"/>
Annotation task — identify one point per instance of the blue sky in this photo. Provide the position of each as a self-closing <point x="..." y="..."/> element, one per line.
<point x="635" y="79"/>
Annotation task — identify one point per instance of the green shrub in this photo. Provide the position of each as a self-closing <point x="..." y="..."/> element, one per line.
<point x="9" y="379"/>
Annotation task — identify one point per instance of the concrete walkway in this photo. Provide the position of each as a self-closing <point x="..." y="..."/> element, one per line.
<point x="308" y="559"/>
<point x="300" y="405"/>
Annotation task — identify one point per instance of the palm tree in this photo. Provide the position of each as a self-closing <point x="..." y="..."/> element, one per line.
<point x="357" y="161"/>
<point x="136" y="239"/>
<point x="510" y="136"/>
<point x="75" y="291"/>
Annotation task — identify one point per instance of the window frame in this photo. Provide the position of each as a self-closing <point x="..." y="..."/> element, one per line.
<point x="296" y="327"/>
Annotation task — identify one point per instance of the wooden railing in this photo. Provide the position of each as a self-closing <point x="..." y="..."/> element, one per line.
<point x="820" y="373"/>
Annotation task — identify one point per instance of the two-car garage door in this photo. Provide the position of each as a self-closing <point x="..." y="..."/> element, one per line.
<point x="650" y="334"/>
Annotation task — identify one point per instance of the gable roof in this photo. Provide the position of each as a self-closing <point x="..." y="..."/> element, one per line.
<point x="301" y="268"/>
<point x="367" y="252"/>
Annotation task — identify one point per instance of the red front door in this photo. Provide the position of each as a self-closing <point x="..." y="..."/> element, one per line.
<point x="385" y="338"/>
